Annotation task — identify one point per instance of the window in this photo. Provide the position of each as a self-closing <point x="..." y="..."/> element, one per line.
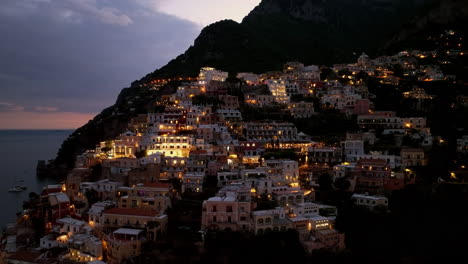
<point x="229" y="209"/>
<point x="214" y="208"/>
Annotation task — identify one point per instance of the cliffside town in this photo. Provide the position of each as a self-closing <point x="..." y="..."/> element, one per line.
<point x="255" y="154"/>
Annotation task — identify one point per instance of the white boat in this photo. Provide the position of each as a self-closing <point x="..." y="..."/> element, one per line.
<point x="15" y="189"/>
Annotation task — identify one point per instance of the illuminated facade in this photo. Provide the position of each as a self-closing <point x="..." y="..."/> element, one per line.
<point x="278" y="90"/>
<point x="170" y="146"/>
<point x="270" y="131"/>
<point x="208" y="74"/>
<point x="249" y="78"/>
<point x="301" y="109"/>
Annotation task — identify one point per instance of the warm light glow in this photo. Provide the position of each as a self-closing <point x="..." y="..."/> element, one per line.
<point x="62" y="238"/>
<point x="453" y="176"/>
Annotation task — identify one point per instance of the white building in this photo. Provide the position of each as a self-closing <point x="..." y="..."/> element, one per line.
<point x="278" y="90"/>
<point x="170" y="146"/>
<point x="70" y="226"/>
<point x="352" y="149"/>
<point x="270" y="131"/>
<point x="230" y="115"/>
<point x="369" y="201"/>
<point x="282" y="171"/>
<point x="208" y="74"/>
<point x="249" y="78"/>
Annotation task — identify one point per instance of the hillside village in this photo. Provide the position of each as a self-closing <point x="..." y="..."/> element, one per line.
<point x="248" y="156"/>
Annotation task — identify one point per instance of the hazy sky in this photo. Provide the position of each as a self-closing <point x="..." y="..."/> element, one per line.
<point x="63" y="61"/>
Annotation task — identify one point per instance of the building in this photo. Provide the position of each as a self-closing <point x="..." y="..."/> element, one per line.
<point x="170" y="146"/>
<point x="369" y="201"/>
<point x="462" y="144"/>
<point x="265" y="221"/>
<point x="208" y="74"/>
<point x="278" y="90"/>
<point x="413" y="157"/>
<point x="229" y="114"/>
<point x="323" y="154"/>
<point x="301" y="109"/>
<point x="122" y="244"/>
<point x="287" y="195"/>
<point x="84" y="248"/>
<point x="70" y="226"/>
<point x="352" y="149"/>
<point x="371" y="175"/>
<point x="132" y="217"/>
<point x="105" y="189"/>
<point x="249" y="78"/>
<point x="259" y="100"/>
<point x="149" y="173"/>
<point x="282" y="171"/>
<point x="228" y="210"/>
<point x="95" y="212"/>
<point x="269" y="131"/>
<point x="229" y="102"/>
<point x="153" y="197"/>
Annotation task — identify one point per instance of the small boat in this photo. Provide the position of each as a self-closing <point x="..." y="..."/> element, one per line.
<point x="15" y="189"/>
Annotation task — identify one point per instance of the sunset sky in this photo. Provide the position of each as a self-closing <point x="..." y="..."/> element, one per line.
<point x="63" y="61"/>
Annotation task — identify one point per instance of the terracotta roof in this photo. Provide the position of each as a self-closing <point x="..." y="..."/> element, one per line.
<point x="130" y="211"/>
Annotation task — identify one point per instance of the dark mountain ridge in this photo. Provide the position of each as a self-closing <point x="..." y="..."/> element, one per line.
<point x="312" y="31"/>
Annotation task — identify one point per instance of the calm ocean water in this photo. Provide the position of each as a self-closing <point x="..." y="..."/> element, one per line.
<point x="19" y="152"/>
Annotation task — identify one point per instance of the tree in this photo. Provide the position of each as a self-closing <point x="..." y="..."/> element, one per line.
<point x="92" y="196"/>
<point x="325" y="182"/>
<point x="342" y="184"/>
<point x="107" y="146"/>
<point x="141" y="154"/>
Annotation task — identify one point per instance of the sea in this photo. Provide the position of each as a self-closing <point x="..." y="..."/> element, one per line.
<point x="19" y="152"/>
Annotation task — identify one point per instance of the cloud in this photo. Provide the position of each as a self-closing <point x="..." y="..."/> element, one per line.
<point x="203" y="12"/>
<point x="46" y="109"/>
<point x="75" y="11"/>
<point x="105" y="14"/>
<point x="10" y="107"/>
<point x="50" y="120"/>
<point x="75" y="56"/>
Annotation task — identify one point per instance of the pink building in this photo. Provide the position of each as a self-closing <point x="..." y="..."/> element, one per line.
<point x="361" y="107"/>
<point x="371" y="175"/>
<point x="228" y="210"/>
